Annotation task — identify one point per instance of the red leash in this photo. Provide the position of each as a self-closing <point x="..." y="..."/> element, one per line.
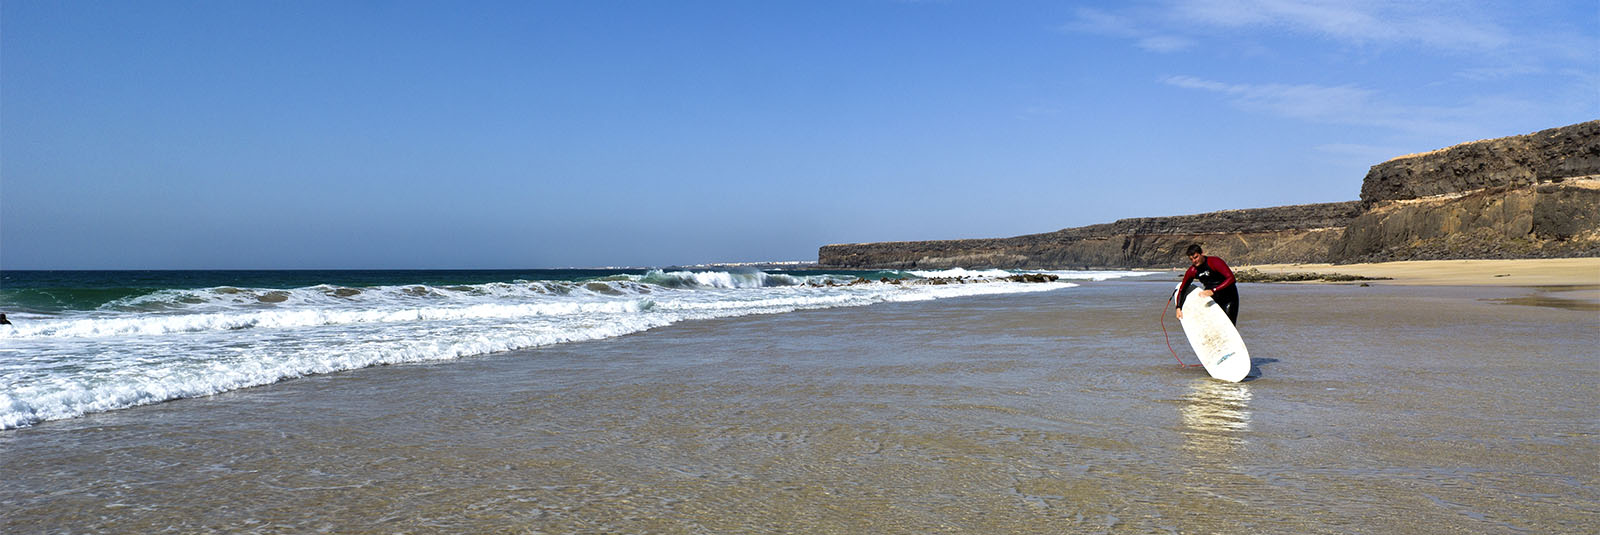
<point x="1169" y="337"/>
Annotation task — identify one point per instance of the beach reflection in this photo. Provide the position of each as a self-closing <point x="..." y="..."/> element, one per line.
<point x="1215" y="417"/>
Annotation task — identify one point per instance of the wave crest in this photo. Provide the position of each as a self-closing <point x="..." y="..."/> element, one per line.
<point x="182" y="343"/>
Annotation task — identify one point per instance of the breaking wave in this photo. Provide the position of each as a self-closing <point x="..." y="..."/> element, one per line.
<point x="152" y="346"/>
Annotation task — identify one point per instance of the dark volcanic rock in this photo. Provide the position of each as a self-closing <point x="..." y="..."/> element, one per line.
<point x="1544" y="156"/>
<point x="1256" y="275"/>
<point x="1295" y="217"/>
<point x="1033" y="277"/>
<point x="1551" y="220"/>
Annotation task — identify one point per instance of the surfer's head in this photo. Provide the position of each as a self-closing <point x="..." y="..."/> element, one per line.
<point x="1194" y="254"/>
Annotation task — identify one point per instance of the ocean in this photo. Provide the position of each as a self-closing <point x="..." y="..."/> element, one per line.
<point x="767" y="403"/>
<point x="83" y="342"/>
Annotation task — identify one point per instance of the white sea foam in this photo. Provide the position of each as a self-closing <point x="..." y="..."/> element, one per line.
<point x="999" y="273"/>
<point x="1098" y="275"/>
<point x="187" y="343"/>
<point x="151" y="325"/>
<point x="962" y="272"/>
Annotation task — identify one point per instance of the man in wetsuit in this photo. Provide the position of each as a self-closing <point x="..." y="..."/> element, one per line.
<point x="1214" y="274"/>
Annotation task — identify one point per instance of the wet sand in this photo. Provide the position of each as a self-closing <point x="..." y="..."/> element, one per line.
<point x="1384" y="409"/>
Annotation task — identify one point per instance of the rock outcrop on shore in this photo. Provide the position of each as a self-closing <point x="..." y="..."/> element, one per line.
<point x="1528" y="196"/>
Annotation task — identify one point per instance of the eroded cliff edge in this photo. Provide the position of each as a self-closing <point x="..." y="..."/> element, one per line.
<point x="1536" y="195"/>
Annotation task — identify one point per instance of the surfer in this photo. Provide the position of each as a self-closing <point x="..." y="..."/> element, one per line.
<point x="3" y="320"/>
<point x="1214" y="274"/>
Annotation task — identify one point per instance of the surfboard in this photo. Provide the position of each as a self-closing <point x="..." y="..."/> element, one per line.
<point x="1214" y="338"/>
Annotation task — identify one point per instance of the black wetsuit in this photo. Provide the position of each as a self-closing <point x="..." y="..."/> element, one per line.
<point x="1214" y="274"/>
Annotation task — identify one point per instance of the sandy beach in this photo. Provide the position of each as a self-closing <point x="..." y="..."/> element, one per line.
<point x="1521" y="273"/>
<point x="1382" y="409"/>
<point x="1563" y="282"/>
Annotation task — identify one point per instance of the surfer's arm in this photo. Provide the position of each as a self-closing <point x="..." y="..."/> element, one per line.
<point x="1188" y="276"/>
<point x="1222" y="268"/>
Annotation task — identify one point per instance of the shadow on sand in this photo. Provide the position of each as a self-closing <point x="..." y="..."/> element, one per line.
<point x="1255" y="368"/>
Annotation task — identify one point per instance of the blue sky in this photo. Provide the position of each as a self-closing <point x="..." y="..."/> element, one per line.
<point x="288" y="134"/>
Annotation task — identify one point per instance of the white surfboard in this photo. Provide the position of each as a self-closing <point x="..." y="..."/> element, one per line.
<point x="1214" y="338"/>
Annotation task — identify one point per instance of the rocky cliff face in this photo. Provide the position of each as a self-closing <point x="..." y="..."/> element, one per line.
<point x="1536" y="221"/>
<point x="1536" y="195"/>
<point x="1301" y="233"/>
<point x="1544" y="156"/>
<point x="1525" y="196"/>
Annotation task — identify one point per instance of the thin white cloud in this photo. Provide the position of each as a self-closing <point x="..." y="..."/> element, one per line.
<point x="1441" y="25"/>
<point x="1173" y="25"/>
<point x="1361" y="152"/>
<point x="1493" y="64"/>
<point x="1493" y="40"/>
<point x="1101" y="22"/>
<point x="1165" y="43"/>
<point x="1095" y="21"/>
<point x="1499" y="72"/>
<point x="1305" y="101"/>
<point x="1349" y="105"/>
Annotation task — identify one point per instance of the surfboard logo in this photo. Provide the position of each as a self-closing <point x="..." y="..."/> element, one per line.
<point x="1224" y="358"/>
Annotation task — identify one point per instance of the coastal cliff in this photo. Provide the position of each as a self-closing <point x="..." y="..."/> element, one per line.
<point x="1529" y="196"/>
<point x="1552" y="220"/>
<point x="1298" y="233"/>
<point x="1543" y="156"/>
<point x="1536" y="195"/>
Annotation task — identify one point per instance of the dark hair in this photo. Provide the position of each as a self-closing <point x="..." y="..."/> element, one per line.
<point x="1194" y="248"/>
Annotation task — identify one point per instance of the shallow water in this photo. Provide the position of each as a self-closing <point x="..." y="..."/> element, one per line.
<point x="1376" y="410"/>
<point x="99" y="341"/>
